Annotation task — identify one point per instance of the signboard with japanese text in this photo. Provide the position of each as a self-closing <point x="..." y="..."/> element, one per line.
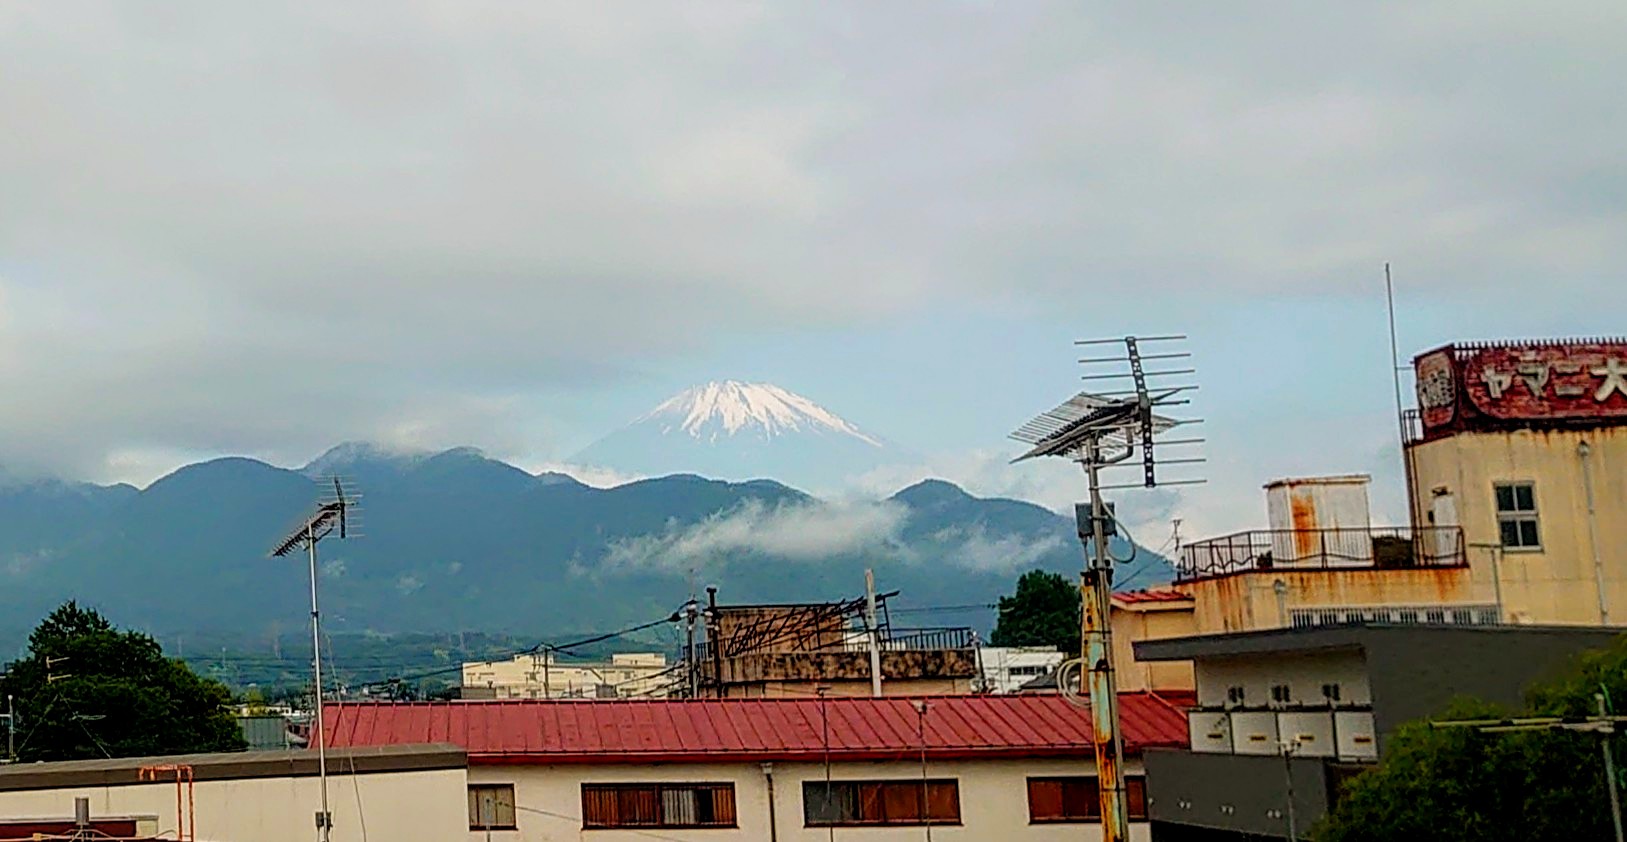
<point x="1523" y="384"/>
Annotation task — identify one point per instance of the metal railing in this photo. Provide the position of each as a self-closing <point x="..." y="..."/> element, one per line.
<point x="1384" y="548"/>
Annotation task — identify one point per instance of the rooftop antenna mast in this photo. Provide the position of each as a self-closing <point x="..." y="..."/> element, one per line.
<point x="332" y="517"/>
<point x="1103" y="430"/>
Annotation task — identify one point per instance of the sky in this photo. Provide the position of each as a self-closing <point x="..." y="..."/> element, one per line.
<point x="263" y="229"/>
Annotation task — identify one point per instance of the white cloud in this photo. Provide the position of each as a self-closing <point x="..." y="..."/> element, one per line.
<point x="262" y="228"/>
<point x="975" y="549"/>
<point x="804" y="531"/>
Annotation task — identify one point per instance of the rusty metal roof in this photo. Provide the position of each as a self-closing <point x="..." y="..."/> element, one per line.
<point x="717" y="730"/>
<point x="1151" y="595"/>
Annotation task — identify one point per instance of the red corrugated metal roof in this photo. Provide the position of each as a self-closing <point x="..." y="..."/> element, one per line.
<point x="648" y="731"/>
<point x="1134" y="597"/>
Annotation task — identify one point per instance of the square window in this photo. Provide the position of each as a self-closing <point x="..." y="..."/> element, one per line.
<point x="1517" y="522"/>
<point x="491" y="807"/>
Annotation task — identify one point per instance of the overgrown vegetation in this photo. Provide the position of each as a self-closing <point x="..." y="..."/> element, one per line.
<point x="1464" y="784"/>
<point x="86" y="689"/>
<point x="1044" y="611"/>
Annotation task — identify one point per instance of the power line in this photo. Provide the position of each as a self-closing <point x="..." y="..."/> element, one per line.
<point x="540" y="646"/>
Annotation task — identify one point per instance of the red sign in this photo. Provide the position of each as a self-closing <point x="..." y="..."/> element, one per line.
<point x="1558" y="382"/>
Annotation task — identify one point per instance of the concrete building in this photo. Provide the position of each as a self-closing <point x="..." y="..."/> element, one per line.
<point x="543" y="676"/>
<point x="1523" y="447"/>
<point x="1008" y="668"/>
<point x="1330" y="698"/>
<point x="1516" y="465"/>
<point x="957" y="767"/>
<point x="413" y="793"/>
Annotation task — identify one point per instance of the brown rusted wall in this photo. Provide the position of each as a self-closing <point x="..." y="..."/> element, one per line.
<point x="1246" y="601"/>
<point x="842" y="665"/>
<point x="807" y="633"/>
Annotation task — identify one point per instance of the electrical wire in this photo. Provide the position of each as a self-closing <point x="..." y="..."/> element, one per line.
<point x="575" y="644"/>
<point x="578" y="820"/>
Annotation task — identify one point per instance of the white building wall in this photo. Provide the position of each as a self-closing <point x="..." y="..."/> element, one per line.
<point x="425" y="806"/>
<point x="1304" y="673"/>
<point x="993" y="801"/>
<point x="1006" y="668"/>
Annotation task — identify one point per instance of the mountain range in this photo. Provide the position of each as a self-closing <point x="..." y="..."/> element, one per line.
<point x="456" y="540"/>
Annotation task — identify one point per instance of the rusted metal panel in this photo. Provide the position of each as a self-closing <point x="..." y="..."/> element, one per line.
<point x="1299" y="511"/>
<point x="1560" y="383"/>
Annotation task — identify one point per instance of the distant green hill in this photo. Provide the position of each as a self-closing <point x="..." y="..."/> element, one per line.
<point x="458" y="541"/>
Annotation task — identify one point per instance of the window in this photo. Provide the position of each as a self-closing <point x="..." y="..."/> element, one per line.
<point x="1234" y="695"/>
<point x="1077" y="799"/>
<point x="658" y="805"/>
<point x="1330" y="692"/>
<point x="1517" y="515"/>
<point x="491" y="807"/>
<point x="1281" y="693"/>
<point x="838" y="803"/>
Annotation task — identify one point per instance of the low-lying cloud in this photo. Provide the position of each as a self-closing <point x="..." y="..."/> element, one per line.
<point x="804" y="531"/>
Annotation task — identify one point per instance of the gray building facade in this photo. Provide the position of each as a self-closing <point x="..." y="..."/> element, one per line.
<point x="1301" y="709"/>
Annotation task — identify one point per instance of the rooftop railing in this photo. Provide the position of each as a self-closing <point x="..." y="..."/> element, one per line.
<point x="1382" y="548"/>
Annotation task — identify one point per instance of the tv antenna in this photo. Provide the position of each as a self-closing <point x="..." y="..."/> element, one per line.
<point x="332" y="517"/>
<point x="1103" y="430"/>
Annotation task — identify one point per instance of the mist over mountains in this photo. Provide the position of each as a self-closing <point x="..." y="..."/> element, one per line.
<point x="455" y="540"/>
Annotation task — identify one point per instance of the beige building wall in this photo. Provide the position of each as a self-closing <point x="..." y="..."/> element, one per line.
<point x="1248" y="600"/>
<point x="538" y="677"/>
<point x="1154" y="621"/>
<point x="993" y="801"/>
<point x="422" y="806"/>
<point x="1557" y="583"/>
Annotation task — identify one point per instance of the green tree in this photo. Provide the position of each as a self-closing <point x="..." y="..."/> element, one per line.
<point x="89" y="690"/>
<point x="1043" y="612"/>
<point x="1463" y="784"/>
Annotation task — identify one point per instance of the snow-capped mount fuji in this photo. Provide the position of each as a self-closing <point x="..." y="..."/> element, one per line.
<point x="734" y="430"/>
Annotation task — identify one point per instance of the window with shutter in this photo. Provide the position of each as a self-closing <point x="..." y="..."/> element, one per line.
<point x="1076" y="799"/>
<point x="897" y="802"/>
<point x="491" y="807"/>
<point x="658" y="805"/>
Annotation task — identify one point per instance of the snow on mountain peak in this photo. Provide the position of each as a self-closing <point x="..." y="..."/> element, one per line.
<point x="724" y="408"/>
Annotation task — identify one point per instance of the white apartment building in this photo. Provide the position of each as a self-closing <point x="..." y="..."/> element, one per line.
<point x="543" y="676"/>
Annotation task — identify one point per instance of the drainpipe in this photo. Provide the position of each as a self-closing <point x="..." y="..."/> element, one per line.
<point x="773" y="824"/>
<point x="1584" y="451"/>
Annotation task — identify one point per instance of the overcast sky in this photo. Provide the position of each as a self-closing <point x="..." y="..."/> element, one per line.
<point x="265" y="228"/>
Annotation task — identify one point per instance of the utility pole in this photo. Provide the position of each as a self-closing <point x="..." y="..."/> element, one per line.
<point x="1288" y="747"/>
<point x="714" y="639"/>
<point x="1603" y="724"/>
<point x="1610" y="782"/>
<point x="330" y="517"/>
<point x="691" y="677"/>
<point x="1103" y="430"/>
<point x="874" y="633"/>
<point x="324" y="819"/>
<point x="1098" y="658"/>
<point x="11" y="729"/>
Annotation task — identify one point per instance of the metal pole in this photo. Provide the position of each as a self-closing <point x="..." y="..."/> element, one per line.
<point x="324" y="819"/>
<point x="874" y="635"/>
<point x="1413" y="514"/>
<point x="547" y="687"/>
<point x="1610" y="767"/>
<point x="1098" y="654"/>
<point x="1288" y="774"/>
<point x="1584" y="450"/>
<point x="714" y="638"/>
<point x="692" y="676"/>
<point x="11" y="729"/>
